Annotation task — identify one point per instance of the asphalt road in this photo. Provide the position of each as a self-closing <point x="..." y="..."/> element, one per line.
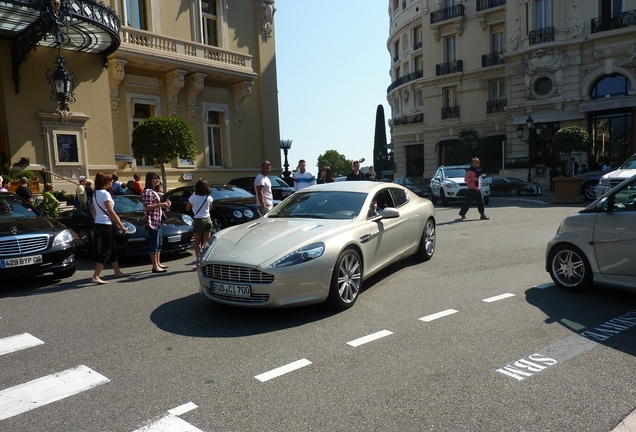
<point x="477" y="339"/>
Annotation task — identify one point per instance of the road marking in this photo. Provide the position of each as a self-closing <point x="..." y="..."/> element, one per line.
<point x="282" y="370"/>
<point x="51" y="388"/>
<point x="171" y="422"/>
<point x="437" y="315"/>
<point x="18" y="342"/>
<point x="369" y="338"/>
<point x="499" y="297"/>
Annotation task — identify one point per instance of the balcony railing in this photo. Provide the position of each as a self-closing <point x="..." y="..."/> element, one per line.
<point x="541" y="35"/>
<point x="417" y="45"/>
<point x="616" y="21"/>
<point x="418" y="118"/>
<point x="449" y="67"/>
<point x="489" y="4"/>
<point x="492" y="59"/>
<point x="450" y="112"/>
<point x="495" y="106"/>
<point x="447" y="13"/>
<point x="403" y="80"/>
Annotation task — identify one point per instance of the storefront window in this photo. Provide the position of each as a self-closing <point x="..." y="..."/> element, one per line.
<point x="611" y="137"/>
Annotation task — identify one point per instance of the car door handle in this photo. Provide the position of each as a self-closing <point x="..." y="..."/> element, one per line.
<point x="365" y="238"/>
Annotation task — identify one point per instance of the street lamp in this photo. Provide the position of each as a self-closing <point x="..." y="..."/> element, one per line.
<point x="285" y="145"/>
<point x="530" y="140"/>
<point x="62" y="81"/>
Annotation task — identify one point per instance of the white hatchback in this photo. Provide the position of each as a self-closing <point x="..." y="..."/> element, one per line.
<point x="448" y="184"/>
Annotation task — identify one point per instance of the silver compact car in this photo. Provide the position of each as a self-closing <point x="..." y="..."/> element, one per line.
<point x="597" y="245"/>
<point x="318" y="245"/>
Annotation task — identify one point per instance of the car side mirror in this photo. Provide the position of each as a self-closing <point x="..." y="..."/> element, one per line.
<point x="390" y="213"/>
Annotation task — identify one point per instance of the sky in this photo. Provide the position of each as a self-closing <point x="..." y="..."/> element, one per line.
<point x="333" y="71"/>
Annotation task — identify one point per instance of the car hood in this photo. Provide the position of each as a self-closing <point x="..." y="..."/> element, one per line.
<point x="456" y="179"/>
<point x="247" y="202"/>
<point x="620" y="173"/>
<point x="39" y="224"/>
<point x="174" y="218"/>
<point x="267" y="238"/>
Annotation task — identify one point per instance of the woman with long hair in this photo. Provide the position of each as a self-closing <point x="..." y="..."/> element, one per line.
<point x="326" y="175"/>
<point x="201" y="203"/>
<point x="153" y="213"/>
<point x="104" y="216"/>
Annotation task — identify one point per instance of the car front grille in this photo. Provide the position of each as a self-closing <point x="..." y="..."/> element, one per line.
<point x="237" y="274"/>
<point x="614" y="183"/>
<point x="254" y="299"/>
<point x="23" y="244"/>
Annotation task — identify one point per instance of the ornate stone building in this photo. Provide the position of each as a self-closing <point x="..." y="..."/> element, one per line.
<point x="209" y="62"/>
<point x="490" y="65"/>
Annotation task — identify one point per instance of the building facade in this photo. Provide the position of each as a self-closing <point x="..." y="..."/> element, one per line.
<point x="489" y="66"/>
<point x="210" y="62"/>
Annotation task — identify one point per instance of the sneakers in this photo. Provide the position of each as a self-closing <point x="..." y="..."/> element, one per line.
<point x="484" y="217"/>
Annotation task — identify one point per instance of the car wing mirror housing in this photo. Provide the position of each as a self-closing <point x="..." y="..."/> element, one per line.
<point x="390" y="213"/>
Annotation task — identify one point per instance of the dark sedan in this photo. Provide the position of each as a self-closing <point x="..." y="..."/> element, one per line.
<point x="280" y="189"/>
<point x="513" y="186"/>
<point x="176" y="229"/>
<point x="418" y="185"/>
<point x="31" y="243"/>
<point x="232" y="205"/>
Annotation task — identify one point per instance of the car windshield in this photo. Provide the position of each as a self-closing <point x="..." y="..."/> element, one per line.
<point x="629" y="163"/>
<point x="320" y="205"/>
<point x="457" y="172"/>
<point x="12" y="207"/>
<point x="128" y="204"/>
<point x="277" y="182"/>
<point x="513" y="179"/>
<point x="225" y="192"/>
<point x="416" y="181"/>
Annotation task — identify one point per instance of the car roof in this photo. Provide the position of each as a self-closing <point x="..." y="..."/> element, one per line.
<point x="352" y="186"/>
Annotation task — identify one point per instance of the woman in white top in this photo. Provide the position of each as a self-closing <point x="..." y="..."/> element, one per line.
<point x="201" y="203"/>
<point x="104" y="216"/>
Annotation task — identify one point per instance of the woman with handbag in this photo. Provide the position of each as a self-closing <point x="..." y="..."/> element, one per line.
<point x="201" y="204"/>
<point x="153" y="213"/>
<point x="104" y="215"/>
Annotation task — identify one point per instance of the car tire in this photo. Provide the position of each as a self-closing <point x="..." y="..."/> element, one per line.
<point x="514" y="191"/>
<point x="486" y="200"/>
<point x="569" y="268"/>
<point x="428" y="241"/>
<point x="444" y="199"/>
<point x="66" y="273"/>
<point x="589" y="191"/>
<point x="346" y="280"/>
<point x="433" y="199"/>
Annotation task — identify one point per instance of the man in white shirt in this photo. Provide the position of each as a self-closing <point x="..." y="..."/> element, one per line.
<point x="263" y="188"/>
<point x="303" y="178"/>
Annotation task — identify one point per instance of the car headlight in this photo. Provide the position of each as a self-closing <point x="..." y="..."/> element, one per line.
<point x="603" y="182"/>
<point x="450" y="184"/>
<point x="248" y="214"/>
<point x="206" y="249"/>
<point x="237" y="214"/>
<point x="187" y="219"/>
<point x="64" y="237"/>
<point x="301" y="255"/>
<point x="130" y="228"/>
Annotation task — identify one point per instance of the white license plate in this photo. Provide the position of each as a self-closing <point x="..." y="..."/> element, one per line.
<point x="17" y="262"/>
<point x="174" y="239"/>
<point x="235" y="290"/>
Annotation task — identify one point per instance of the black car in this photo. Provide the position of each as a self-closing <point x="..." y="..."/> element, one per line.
<point x="418" y="185"/>
<point x="513" y="186"/>
<point x="31" y="243"/>
<point x="177" y="232"/>
<point x="280" y="189"/>
<point x="232" y="205"/>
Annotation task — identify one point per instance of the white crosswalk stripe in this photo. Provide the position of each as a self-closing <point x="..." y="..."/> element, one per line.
<point x="172" y="423"/>
<point x="18" y="342"/>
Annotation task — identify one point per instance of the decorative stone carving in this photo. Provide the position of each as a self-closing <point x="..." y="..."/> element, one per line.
<point x="436" y="33"/>
<point x="175" y="82"/>
<point x="630" y="61"/>
<point x="266" y="11"/>
<point x="116" y="73"/>
<point x="515" y="36"/>
<point x="241" y="92"/>
<point x="576" y="23"/>
<point x="196" y="82"/>
<point x="459" y="25"/>
<point x="549" y="63"/>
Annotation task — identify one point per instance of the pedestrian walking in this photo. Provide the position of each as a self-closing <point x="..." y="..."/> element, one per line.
<point x="153" y="213"/>
<point x="473" y="190"/>
<point x="80" y="194"/>
<point x="23" y="190"/>
<point x="371" y="175"/>
<point x="201" y="203"/>
<point x="263" y="188"/>
<point x="326" y="175"/>
<point x="356" y="174"/>
<point x="104" y="229"/>
<point x="302" y="177"/>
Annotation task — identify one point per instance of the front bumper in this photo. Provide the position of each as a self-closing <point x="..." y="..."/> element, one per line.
<point x="54" y="259"/>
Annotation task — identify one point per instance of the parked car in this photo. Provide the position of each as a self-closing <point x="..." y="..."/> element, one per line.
<point x="340" y="179"/>
<point x="280" y="189"/>
<point x="418" y="185"/>
<point x="32" y="243"/>
<point x="513" y="186"/>
<point x="176" y="229"/>
<point x="318" y="245"/>
<point x="598" y="244"/>
<point x="232" y="205"/>
<point x="590" y="182"/>
<point x="613" y="178"/>
<point x="448" y="184"/>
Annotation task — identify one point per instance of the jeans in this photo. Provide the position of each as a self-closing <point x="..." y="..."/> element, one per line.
<point x="155" y="240"/>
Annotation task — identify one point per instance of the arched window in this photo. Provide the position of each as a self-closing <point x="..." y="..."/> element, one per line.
<point x="611" y="85"/>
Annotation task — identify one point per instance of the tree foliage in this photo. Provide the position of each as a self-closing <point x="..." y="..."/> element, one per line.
<point x="163" y="139"/>
<point x="571" y="139"/>
<point x="338" y="163"/>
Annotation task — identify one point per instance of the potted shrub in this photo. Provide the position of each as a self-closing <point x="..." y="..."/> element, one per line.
<point x="568" y="140"/>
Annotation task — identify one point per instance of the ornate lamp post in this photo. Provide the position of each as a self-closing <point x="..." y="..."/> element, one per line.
<point x="62" y="81"/>
<point x="285" y="145"/>
<point x="530" y="140"/>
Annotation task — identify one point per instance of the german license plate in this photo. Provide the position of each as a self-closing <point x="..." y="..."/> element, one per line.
<point x="23" y="261"/>
<point x="235" y="290"/>
<point x="174" y="239"/>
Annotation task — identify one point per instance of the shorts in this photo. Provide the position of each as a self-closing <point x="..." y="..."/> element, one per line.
<point x="155" y="240"/>
<point x="202" y="225"/>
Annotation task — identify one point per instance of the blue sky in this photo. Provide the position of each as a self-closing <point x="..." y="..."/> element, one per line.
<point x="333" y="71"/>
